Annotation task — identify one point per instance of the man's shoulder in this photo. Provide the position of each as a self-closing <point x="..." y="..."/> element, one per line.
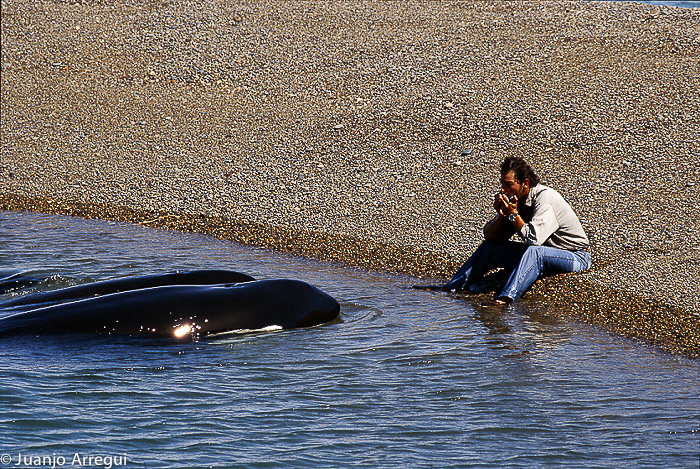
<point x="539" y="188"/>
<point x="547" y="196"/>
<point x="542" y="193"/>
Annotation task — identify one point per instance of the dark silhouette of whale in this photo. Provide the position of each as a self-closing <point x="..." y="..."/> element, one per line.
<point x="105" y="287"/>
<point x="183" y="304"/>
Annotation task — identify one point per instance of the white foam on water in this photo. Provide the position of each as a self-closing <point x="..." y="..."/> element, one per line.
<point x="248" y="331"/>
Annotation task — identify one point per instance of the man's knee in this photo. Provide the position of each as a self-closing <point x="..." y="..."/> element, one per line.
<point x="533" y="253"/>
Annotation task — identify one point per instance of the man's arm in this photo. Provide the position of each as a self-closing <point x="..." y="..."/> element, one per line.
<point x="493" y="229"/>
<point x="543" y="224"/>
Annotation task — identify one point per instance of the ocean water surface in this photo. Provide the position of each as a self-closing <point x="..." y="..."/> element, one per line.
<point x="405" y="379"/>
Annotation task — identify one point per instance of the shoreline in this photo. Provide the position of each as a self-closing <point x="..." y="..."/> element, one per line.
<point x="370" y="133"/>
<point x="654" y="323"/>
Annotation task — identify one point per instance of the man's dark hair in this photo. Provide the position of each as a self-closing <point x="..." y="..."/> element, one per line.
<point x="521" y="170"/>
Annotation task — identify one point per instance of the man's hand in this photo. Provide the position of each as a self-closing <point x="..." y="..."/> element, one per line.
<point x="505" y="205"/>
<point x="497" y="202"/>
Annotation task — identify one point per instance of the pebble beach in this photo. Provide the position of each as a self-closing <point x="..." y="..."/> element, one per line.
<point x="370" y="133"/>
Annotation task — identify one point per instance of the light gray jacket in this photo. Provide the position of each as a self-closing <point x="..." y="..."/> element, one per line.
<point x="549" y="221"/>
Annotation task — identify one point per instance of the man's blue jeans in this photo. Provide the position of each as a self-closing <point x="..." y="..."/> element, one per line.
<point x="526" y="263"/>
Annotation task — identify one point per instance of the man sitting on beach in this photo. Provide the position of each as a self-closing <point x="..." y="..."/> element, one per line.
<point x="553" y="240"/>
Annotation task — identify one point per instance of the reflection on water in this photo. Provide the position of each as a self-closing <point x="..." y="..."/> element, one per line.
<point x="406" y="378"/>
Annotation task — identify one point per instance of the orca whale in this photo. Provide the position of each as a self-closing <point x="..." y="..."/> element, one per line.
<point x="182" y="304"/>
<point x="105" y="287"/>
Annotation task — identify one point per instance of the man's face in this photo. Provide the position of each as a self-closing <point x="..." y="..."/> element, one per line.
<point x="511" y="186"/>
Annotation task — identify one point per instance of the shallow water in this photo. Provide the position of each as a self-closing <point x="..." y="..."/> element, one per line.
<point x="406" y="379"/>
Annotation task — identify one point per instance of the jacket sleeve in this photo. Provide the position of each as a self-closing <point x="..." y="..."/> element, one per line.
<point x="542" y="225"/>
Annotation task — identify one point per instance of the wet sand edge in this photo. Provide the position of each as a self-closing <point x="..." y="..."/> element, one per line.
<point x="649" y="320"/>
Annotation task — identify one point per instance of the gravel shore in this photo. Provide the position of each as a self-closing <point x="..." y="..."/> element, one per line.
<point x="370" y="133"/>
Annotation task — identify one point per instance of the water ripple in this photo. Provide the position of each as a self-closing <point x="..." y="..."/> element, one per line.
<point x="405" y="378"/>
